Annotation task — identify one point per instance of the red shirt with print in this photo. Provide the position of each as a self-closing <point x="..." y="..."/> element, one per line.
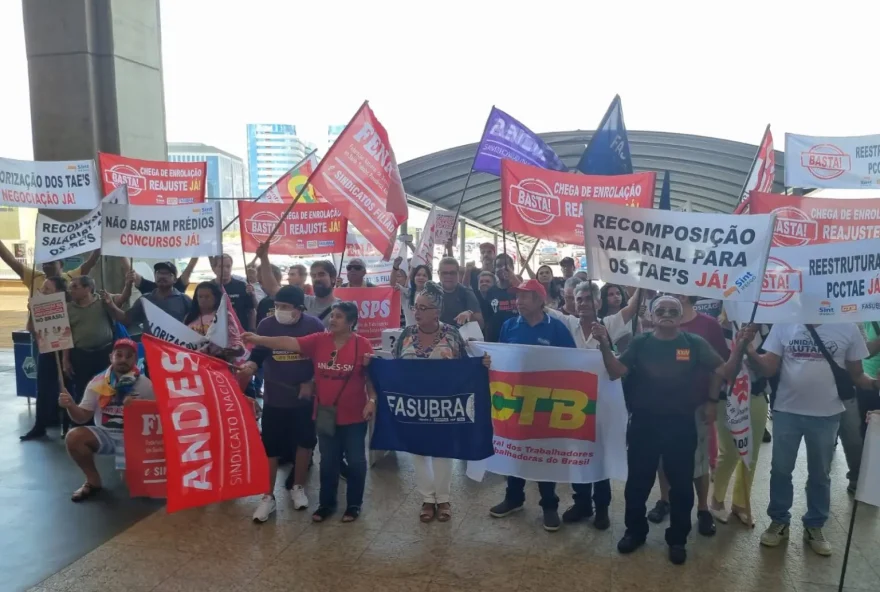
<point x="333" y="367"/>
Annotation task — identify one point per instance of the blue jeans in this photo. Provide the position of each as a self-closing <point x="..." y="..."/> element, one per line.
<point x="820" y="434"/>
<point x="516" y="493"/>
<point x="351" y="441"/>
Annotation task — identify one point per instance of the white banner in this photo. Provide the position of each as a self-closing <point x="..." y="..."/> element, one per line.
<point x="51" y="323"/>
<point x="167" y="232"/>
<point x="163" y="326"/>
<point x="846" y="162"/>
<point x="51" y="185"/>
<point x="868" y="490"/>
<point x="438" y="230"/>
<point x="556" y="415"/>
<point x="711" y="255"/>
<point x="739" y="415"/>
<point x="830" y="283"/>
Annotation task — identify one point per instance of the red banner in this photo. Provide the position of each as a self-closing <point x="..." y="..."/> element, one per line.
<point x="153" y="182"/>
<point x="548" y="204"/>
<point x="359" y="175"/>
<point x="309" y="228"/>
<point x="144" y="450"/>
<point x="288" y="185"/>
<point x="814" y="220"/>
<point x="378" y="309"/>
<point x="212" y="442"/>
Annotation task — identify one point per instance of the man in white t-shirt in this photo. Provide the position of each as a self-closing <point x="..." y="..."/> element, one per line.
<point x="807" y="407"/>
<point x="618" y="325"/>
<point x="105" y="399"/>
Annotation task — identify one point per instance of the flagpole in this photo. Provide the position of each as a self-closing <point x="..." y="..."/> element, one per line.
<point x="752" y="168"/>
<point x="471" y="171"/>
<point x="852" y="525"/>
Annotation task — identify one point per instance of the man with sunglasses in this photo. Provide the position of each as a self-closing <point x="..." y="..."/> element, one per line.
<point x="357" y="271"/>
<point x="460" y="305"/>
<point x="665" y="389"/>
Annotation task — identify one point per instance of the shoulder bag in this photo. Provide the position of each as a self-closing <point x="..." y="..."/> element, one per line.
<point x="325" y="415"/>
<point x="846" y="389"/>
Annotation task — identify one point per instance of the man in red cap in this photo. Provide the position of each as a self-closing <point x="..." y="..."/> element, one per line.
<point x="105" y="399"/>
<point x="533" y="326"/>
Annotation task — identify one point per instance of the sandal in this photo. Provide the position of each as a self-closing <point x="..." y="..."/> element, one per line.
<point x="445" y="512"/>
<point x="321" y="514"/>
<point x="85" y="492"/>
<point x="427" y="512"/>
<point x="351" y="514"/>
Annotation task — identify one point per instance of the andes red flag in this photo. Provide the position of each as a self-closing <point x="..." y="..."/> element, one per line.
<point x="359" y="175"/>
<point x="212" y="444"/>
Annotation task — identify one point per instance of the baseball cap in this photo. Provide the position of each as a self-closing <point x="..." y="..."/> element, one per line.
<point x="532" y="286"/>
<point x="125" y="342"/>
<point x="356" y="261"/>
<point x="291" y="295"/>
<point x="167" y="266"/>
<point x="567" y="261"/>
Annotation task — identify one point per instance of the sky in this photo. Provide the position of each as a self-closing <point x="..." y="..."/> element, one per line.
<point x="432" y="70"/>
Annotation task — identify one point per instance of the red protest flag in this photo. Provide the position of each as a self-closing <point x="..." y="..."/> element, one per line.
<point x="308" y="229"/>
<point x="359" y="175"/>
<point x="144" y="450"/>
<point x="378" y="309"/>
<point x="213" y="449"/>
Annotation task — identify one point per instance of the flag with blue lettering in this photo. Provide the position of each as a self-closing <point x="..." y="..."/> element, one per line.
<point x="608" y="151"/>
<point x="665" y="194"/>
<point x="505" y="137"/>
<point x="433" y="407"/>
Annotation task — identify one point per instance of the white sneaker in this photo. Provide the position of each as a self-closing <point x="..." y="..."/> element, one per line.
<point x="818" y="543"/>
<point x="775" y="534"/>
<point x="265" y="509"/>
<point x="298" y="496"/>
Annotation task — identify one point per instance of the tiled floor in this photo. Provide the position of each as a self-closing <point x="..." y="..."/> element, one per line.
<point x="219" y="549"/>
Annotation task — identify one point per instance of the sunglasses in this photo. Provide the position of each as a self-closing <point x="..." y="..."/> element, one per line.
<point x="422" y="308"/>
<point x="666" y="312"/>
<point x="354" y="268"/>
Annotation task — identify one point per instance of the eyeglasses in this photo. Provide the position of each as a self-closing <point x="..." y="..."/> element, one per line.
<point x="354" y="268"/>
<point x="421" y="308"/>
<point x="666" y="312"/>
<point x="449" y="273"/>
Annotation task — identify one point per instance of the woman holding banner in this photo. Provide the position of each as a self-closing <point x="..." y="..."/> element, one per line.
<point x="344" y="402"/>
<point x="428" y="338"/>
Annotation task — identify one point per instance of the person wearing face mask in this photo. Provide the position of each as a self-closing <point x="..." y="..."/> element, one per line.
<point x="323" y="275"/>
<point x="287" y="404"/>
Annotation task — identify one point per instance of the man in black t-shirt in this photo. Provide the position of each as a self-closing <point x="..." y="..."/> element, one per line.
<point x="241" y="294"/>
<point x="266" y="306"/>
<point x="500" y="298"/>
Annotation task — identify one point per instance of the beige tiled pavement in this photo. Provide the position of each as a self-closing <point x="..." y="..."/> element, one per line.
<point x="219" y="549"/>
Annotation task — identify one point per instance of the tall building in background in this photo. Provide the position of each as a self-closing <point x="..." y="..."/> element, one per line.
<point x="333" y="132"/>
<point x="226" y="173"/>
<point x="273" y="149"/>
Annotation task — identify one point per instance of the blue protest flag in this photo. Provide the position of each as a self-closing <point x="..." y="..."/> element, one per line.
<point x="665" y="194"/>
<point x="608" y="151"/>
<point x="436" y="408"/>
<point x="505" y="137"/>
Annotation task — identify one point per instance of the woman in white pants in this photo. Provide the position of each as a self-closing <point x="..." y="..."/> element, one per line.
<point x="428" y="338"/>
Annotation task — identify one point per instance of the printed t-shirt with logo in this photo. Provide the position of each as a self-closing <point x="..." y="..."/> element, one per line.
<point x="806" y="382"/>
<point x="456" y="302"/>
<point x="284" y="371"/>
<point x="109" y="419"/>
<point x="664" y="374"/>
<point x="501" y="304"/>
<point x="331" y="372"/>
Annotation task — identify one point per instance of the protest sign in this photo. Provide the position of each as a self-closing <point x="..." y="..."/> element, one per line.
<point x="830" y="283"/>
<point x="288" y="185"/>
<point x="169" y="232"/>
<point x="359" y="175"/>
<point x="868" y="489"/>
<point x="212" y="443"/>
<point x="225" y="332"/>
<point x="438" y="408"/>
<point x="154" y="182"/>
<point x="378" y="309"/>
<point x="438" y="230"/>
<point x="50" y="185"/>
<point x="709" y="306"/>
<point x="719" y="256"/>
<point x="506" y="138"/>
<point x="163" y="326"/>
<point x="739" y="415"/>
<point x="144" y="450"/>
<point x="848" y="162"/>
<point x="549" y="205"/>
<point x="556" y="415"/>
<point x="308" y="229"/>
<point x="51" y="323"/>
<point x="813" y="220"/>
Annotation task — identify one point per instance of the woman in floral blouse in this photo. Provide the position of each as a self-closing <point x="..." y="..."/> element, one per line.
<point x="428" y="338"/>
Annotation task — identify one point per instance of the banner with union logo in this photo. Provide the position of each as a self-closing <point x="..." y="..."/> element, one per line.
<point x="144" y="450"/>
<point x="308" y="229"/>
<point x="847" y="162"/>
<point x="820" y="283"/>
<point x="813" y="220"/>
<point x="154" y="182"/>
<point x="555" y="414"/>
<point x="378" y="309"/>
<point x="548" y="205"/>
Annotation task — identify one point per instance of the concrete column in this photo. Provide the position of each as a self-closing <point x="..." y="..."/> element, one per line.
<point x="95" y="73"/>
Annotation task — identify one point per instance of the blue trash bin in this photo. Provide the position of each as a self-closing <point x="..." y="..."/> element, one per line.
<point x="25" y="364"/>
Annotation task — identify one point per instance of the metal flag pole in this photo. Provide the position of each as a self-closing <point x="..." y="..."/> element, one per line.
<point x="852" y="525"/>
<point x="471" y="170"/>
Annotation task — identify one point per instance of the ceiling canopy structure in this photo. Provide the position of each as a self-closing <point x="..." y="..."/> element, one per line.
<point x="706" y="174"/>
